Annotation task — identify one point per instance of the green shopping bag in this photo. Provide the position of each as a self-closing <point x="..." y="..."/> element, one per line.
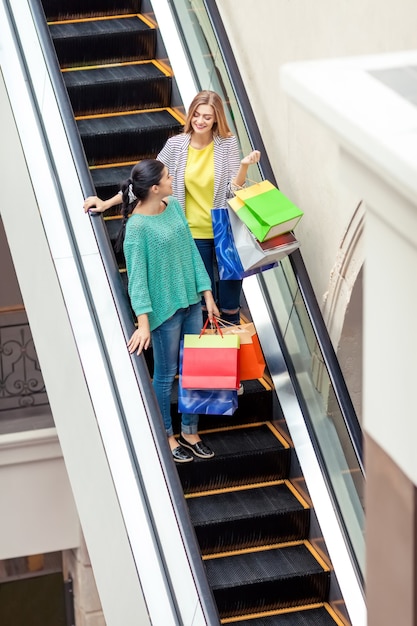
<point x="265" y="210"/>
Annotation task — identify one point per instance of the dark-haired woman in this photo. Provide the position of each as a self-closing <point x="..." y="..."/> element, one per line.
<point x="166" y="281"/>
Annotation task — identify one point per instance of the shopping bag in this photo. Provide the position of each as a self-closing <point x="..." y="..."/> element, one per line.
<point x="265" y="210"/>
<point x="205" y="401"/>
<point x="238" y="252"/>
<point x="210" y="361"/>
<point x="251" y="359"/>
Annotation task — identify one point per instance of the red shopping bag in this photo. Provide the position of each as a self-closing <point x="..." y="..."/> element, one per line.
<point x="211" y="361"/>
<point x="205" y="401"/>
<point x="251" y="359"/>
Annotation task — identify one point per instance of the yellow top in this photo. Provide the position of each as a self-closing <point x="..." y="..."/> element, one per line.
<point x="199" y="191"/>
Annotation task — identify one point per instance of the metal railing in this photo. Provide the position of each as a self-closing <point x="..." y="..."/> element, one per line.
<point x="21" y="381"/>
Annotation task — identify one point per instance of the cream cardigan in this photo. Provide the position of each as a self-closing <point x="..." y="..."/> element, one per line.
<point x="226" y="165"/>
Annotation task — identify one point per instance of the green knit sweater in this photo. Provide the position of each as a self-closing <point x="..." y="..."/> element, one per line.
<point x="165" y="270"/>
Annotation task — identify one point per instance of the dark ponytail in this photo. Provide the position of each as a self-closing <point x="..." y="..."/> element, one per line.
<point x="135" y="189"/>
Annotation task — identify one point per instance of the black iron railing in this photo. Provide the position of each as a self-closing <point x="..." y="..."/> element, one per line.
<point x="21" y="381"/>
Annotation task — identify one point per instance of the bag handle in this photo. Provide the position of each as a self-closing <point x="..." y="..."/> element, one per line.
<point x="228" y="324"/>
<point x="215" y="323"/>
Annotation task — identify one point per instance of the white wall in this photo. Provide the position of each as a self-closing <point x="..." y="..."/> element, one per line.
<point x="303" y="153"/>
<point x="38" y="509"/>
<point x="270" y="33"/>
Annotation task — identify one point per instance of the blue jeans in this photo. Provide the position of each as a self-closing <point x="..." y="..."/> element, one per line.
<point x="225" y="292"/>
<point x="166" y="343"/>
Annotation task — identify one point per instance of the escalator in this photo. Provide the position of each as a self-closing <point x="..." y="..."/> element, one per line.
<point x="253" y="517"/>
<point x="251" y="522"/>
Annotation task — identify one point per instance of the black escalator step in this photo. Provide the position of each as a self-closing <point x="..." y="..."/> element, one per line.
<point x="242" y="456"/>
<point x="117" y="89"/>
<point x="282" y="577"/>
<point x="107" y="181"/>
<point x="253" y="406"/>
<point x="55" y="11"/>
<point x="103" y="41"/>
<point x="246" y="518"/>
<point x="307" y="617"/>
<point x="125" y="138"/>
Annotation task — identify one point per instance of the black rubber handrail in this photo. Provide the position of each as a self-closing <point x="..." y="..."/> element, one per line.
<point x="310" y="301"/>
<point x="124" y="312"/>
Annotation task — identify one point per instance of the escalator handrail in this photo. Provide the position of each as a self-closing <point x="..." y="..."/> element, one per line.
<point x="303" y="281"/>
<point x="124" y="312"/>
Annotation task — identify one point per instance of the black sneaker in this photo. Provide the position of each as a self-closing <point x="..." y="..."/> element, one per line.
<point x="181" y="456"/>
<point x="199" y="449"/>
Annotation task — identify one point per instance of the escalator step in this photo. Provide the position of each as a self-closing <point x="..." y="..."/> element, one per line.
<point x="55" y="11"/>
<point x="243" y="456"/>
<point x="103" y="41"/>
<point x="307" y="617"/>
<point x="126" y="138"/>
<point x="120" y="88"/>
<point x="283" y="577"/>
<point x="107" y="181"/>
<point x="246" y="518"/>
<point x="254" y="405"/>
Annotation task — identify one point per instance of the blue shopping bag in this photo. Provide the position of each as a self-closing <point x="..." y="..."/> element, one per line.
<point x="205" y="401"/>
<point x="228" y="260"/>
<point x="238" y="252"/>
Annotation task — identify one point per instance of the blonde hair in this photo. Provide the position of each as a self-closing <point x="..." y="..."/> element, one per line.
<point x="220" y="126"/>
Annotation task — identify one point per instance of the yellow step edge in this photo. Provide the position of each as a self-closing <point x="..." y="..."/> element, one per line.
<point x="135" y="112"/>
<point x="80" y="20"/>
<point x="264" y="548"/>
<point x="334" y="615"/>
<point x="251" y="425"/>
<point x="316" y="554"/>
<point x="108" y="165"/>
<point x="147" y="21"/>
<point x="292" y="609"/>
<point x="165" y="70"/>
<point x="245" y="487"/>
<point x="298" y="495"/>
<point x="278" y="435"/>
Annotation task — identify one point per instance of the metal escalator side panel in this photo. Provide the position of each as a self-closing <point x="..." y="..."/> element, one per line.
<point x="133" y="537"/>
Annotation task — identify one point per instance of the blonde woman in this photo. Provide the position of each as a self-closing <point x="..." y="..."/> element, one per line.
<point x="205" y="163"/>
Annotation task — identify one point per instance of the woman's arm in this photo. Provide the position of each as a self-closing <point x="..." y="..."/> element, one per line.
<point x="252" y="157"/>
<point x="210" y="305"/>
<point x="97" y="205"/>
<point x="141" y="338"/>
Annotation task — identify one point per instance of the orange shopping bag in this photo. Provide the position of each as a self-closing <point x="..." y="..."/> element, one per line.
<point x="251" y="359"/>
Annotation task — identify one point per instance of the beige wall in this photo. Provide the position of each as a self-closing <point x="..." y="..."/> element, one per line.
<point x="377" y="158"/>
<point x="302" y="152"/>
